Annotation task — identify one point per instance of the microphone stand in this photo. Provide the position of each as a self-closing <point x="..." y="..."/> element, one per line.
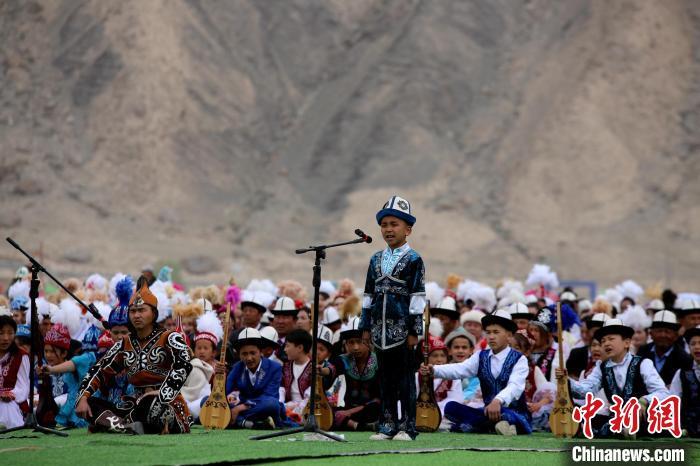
<point x="30" y="421"/>
<point x="311" y="424"/>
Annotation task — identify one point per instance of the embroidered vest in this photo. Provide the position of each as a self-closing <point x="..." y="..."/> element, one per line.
<point x="690" y="402"/>
<point x="490" y="386"/>
<point x="634" y="383"/>
<point x="443" y="389"/>
<point x="530" y="386"/>
<point x="303" y="382"/>
<point x="8" y="376"/>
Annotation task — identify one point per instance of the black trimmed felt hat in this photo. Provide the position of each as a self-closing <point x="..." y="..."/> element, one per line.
<point x="447" y="307"/>
<point x="665" y="319"/>
<point x="520" y="311"/>
<point x="499" y="317"/>
<point x="687" y="307"/>
<point x="285" y="306"/>
<point x="248" y="336"/>
<point x="613" y="327"/>
<point x="598" y="320"/>
<point x="351" y="329"/>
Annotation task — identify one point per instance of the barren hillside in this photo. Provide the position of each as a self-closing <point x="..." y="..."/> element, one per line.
<point x="222" y="135"/>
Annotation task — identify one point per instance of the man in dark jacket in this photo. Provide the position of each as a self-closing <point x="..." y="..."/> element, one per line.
<point x="666" y="350"/>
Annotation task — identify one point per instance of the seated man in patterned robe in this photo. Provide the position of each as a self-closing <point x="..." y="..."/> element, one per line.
<point x="157" y="363"/>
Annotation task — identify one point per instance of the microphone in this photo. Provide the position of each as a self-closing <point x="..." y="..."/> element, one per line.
<point x="361" y="234"/>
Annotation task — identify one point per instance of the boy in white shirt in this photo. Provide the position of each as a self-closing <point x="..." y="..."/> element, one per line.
<point x="502" y="373"/>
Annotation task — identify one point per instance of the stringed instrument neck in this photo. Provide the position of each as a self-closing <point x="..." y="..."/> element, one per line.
<point x="560" y="420"/>
<point x="428" y="415"/>
<point x="215" y="413"/>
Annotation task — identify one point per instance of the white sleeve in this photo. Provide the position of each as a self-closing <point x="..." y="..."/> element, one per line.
<point x="592" y="383"/>
<point x="555" y="366"/>
<point x="283" y="394"/>
<point x="653" y="381"/>
<point x="366" y="301"/>
<point x="417" y="305"/>
<point x="21" y="390"/>
<point x="461" y="370"/>
<point x="676" y="388"/>
<point x="516" y="382"/>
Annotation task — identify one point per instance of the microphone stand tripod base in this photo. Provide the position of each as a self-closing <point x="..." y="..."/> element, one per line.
<point x="32" y="424"/>
<point x="310" y="426"/>
<point x="30" y="421"/>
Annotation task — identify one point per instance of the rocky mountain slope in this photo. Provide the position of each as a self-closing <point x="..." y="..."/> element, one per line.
<point x="222" y="135"/>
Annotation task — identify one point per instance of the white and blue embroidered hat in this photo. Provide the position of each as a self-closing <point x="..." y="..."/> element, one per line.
<point x="397" y="207"/>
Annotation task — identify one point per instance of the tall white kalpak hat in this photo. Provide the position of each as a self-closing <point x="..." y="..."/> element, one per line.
<point x="499" y="317"/>
<point x="259" y="299"/>
<point x="520" y="311"/>
<point x="655" y="305"/>
<point x="397" y="207"/>
<point x="209" y="328"/>
<point x="249" y="336"/>
<point x="598" y="320"/>
<point x="448" y="307"/>
<point x="285" y="306"/>
<point x="270" y="336"/>
<point x="613" y="327"/>
<point x="330" y="316"/>
<point x="688" y="306"/>
<point x="665" y="319"/>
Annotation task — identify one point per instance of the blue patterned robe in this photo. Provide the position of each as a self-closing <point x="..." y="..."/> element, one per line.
<point x="393" y="302"/>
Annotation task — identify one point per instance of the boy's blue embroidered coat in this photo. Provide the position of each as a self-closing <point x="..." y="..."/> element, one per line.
<point x="394" y="297"/>
<point x="266" y="386"/>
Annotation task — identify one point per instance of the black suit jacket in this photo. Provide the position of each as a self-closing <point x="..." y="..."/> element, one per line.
<point x="678" y="359"/>
<point x="578" y="361"/>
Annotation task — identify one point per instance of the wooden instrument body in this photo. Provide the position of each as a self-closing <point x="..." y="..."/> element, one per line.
<point x="322" y="408"/>
<point x="215" y="413"/>
<point x="46" y="409"/>
<point x="428" y="415"/>
<point x="561" y="421"/>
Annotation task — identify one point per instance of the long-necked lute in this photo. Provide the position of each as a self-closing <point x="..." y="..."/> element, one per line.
<point x="215" y="413"/>
<point x="428" y="416"/>
<point x="560" y="420"/>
